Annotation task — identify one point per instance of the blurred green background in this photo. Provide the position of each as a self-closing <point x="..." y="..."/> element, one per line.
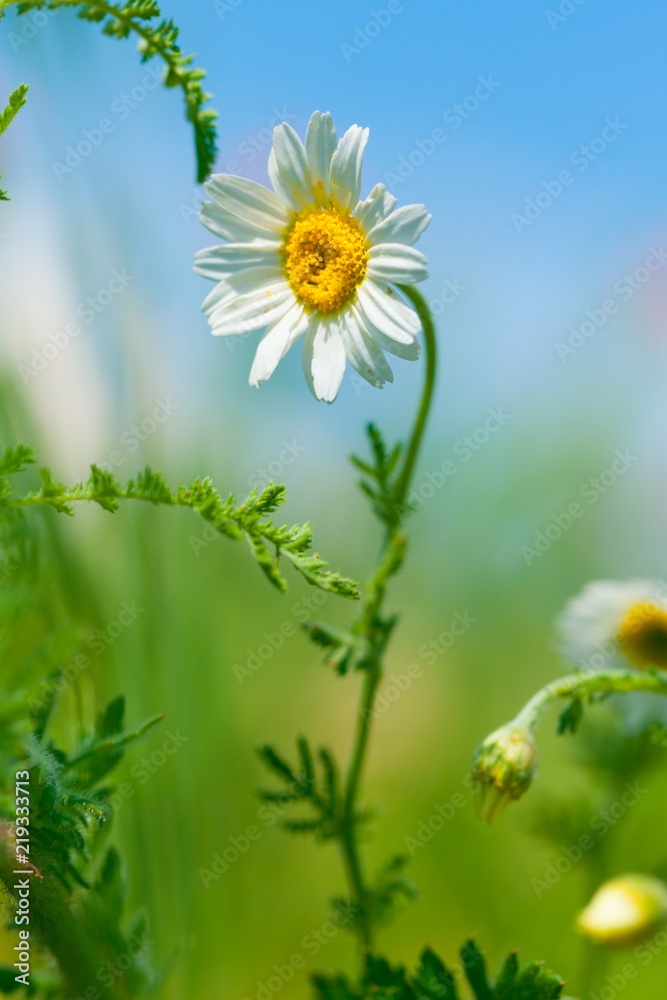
<point x="206" y="609"/>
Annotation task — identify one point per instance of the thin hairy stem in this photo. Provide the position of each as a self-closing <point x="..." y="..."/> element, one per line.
<point x="588" y="685"/>
<point x="375" y="634"/>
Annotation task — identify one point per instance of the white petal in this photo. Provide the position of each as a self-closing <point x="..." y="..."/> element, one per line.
<point x="228" y="226"/>
<point x="250" y="201"/>
<point x="324" y="359"/>
<point x="375" y="208"/>
<point x="275" y="344"/>
<point x="398" y="263"/>
<point x="250" y="312"/>
<point x="320" y="146"/>
<point x="221" y="293"/>
<point x="243" y="313"/>
<point x="382" y="308"/>
<point x="307" y="353"/>
<point x="249" y="302"/>
<point x="345" y="175"/>
<point x="405" y="225"/>
<point x="248" y="280"/>
<point x="409" y="352"/>
<point x="289" y="170"/>
<point x="221" y="261"/>
<point x="363" y="353"/>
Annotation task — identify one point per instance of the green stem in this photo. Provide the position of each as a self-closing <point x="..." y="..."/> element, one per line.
<point x="370" y="627"/>
<point x="424" y="313"/>
<point x="349" y="840"/>
<point x="586" y="685"/>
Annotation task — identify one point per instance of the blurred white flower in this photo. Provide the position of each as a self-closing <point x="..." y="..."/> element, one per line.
<point x="625" y="910"/>
<point x="309" y="258"/>
<point x="613" y="620"/>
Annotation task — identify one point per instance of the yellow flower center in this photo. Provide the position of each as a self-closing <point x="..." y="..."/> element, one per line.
<point x="325" y="259"/>
<point x="643" y="635"/>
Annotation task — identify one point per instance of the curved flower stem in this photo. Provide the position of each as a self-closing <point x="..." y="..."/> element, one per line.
<point x="375" y="633"/>
<point x="424" y="313"/>
<point x="581" y="685"/>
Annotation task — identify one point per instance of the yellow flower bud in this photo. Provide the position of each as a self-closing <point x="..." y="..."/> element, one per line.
<point x="503" y="768"/>
<point x="624" y="911"/>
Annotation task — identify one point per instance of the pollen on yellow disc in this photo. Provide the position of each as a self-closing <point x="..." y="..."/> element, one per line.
<point x="325" y="259"/>
<point x="643" y="635"/>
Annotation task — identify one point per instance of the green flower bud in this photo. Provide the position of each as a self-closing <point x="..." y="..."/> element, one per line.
<point x="503" y="768"/>
<point x="624" y="911"/>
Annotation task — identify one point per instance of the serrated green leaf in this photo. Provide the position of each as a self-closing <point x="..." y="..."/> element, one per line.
<point x="301" y="825"/>
<point x="570" y="717"/>
<point x="384" y="980"/>
<point x="111" y="719"/>
<point x="537" y="983"/>
<point x="433" y="980"/>
<point x="275" y="763"/>
<point x="475" y="970"/>
<point x="333" y="989"/>
<point x="15" y="459"/>
<point x="506" y="983"/>
<point x="307" y="777"/>
<point x="267" y="541"/>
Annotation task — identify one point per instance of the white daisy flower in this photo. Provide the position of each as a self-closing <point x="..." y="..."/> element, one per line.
<point x="309" y="258"/>
<point x="615" y="620"/>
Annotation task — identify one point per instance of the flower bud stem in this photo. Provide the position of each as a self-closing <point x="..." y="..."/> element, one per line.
<point x="588" y="685"/>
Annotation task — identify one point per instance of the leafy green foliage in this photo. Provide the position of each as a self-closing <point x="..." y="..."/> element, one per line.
<point x="78" y="911"/>
<point x="314" y="782"/>
<point x="66" y="792"/>
<point x="344" y="650"/>
<point x="390" y="887"/>
<point x="432" y="980"/>
<point x="247" y="521"/>
<point x="379" y="477"/>
<point x="571" y="717"/>
<point x="362" y="646"/>
<point x="16" y="101"/>
<point x="69" y="807"/>
<point x="157" y="37"/>
<point x="102" y="911"/>
<point x="14" y="460"/>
